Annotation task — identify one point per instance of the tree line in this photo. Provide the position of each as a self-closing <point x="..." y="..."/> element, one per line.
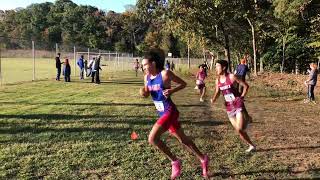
<point x="278" y="35"/>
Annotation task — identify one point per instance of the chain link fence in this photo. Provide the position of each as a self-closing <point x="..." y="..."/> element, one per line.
<point x="24" y="60"/>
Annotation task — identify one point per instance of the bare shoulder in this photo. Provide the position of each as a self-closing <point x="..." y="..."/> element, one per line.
<point x="232" y="76"/>
<point x="145" y="78"/>
<point x="167" y="74"/>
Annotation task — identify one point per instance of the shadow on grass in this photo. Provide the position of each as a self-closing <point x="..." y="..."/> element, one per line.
<point x="36" y="130"/>
<point x="114" y="119"/>
<point x="288" y="148"/>
<point x="289" y="98"/>
<point x="94" y="118"/>
<point x="104" y="118"/>
<point x="77" y="104"/>
<point x="131" y="82"/>
<point x="95" y="104"/>
<point x="50" y="123"/>
<point x="183" y="122"/>
<point x="261" y="172"/>
<point x="113" y="129"/>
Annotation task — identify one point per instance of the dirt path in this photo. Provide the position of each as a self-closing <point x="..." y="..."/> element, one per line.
<point x="285" y="130"/>
<point x="288" y="131"/>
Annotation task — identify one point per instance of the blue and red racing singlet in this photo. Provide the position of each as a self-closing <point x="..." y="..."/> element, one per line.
<point x="156" y="87"/>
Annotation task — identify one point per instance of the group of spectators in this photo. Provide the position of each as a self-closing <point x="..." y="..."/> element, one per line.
<point x="89" y="69"/>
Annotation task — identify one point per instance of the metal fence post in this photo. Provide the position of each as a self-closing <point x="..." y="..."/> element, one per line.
<point x="88" y="54"/>
<point x="122" y="56"/>
<point x="75" y="61"/>
<point x="0" y="67"/>
<point x="57" y="48"/>
<point x="34" y="62"/>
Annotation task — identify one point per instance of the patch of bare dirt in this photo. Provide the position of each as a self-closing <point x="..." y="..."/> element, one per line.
<point x="290" y="82"/>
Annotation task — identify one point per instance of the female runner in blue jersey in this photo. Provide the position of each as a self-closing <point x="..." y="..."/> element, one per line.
<point x="158" y="84"/>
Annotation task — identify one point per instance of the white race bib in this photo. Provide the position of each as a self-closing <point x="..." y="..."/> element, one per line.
<point x="199" y="82"/>
<point x="229" y="97"/>
<point x="159" y="105"/>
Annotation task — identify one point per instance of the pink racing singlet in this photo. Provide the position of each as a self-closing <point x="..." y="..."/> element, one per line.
<point x="234" y="104"/>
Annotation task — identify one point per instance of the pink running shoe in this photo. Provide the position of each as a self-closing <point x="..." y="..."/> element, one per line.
<point x="176" y="169"/>
<point x="204" y="165"/>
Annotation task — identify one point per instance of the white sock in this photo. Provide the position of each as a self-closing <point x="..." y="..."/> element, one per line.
<point x="251" y="148"/>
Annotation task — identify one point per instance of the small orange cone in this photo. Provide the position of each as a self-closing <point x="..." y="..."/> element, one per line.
<point x="134" y="135"/>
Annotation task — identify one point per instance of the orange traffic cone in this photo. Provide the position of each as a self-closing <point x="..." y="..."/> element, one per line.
<point x="134" y="135"/>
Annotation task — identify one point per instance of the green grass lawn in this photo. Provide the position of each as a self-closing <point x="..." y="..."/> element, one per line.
<point x="78" y="130"/>
<point x="16" y="70"/>
<point x="21" y="69"/>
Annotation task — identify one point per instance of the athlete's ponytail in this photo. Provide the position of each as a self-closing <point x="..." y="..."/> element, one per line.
<point x="224" y="64"/>
<point x="156" y="55"/>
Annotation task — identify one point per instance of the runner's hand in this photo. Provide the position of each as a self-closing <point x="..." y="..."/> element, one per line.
<point x="167" y="92"/>
<point x="143" y="92"/>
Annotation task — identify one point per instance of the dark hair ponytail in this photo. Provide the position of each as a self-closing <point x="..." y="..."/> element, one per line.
<point x="156" y="55"/>
<point x="223" y="64"/>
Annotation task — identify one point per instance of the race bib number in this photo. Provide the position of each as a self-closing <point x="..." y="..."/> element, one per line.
<point x="159" y="105"/>
<point x="229" y="97"/>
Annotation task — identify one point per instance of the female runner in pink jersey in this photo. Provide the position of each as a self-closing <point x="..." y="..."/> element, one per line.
<point x="201" y="76"/>
<point x="225" y="84"/>
<point x="158" y="85"/>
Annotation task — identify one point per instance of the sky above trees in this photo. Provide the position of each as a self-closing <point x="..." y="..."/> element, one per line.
<point x="114" y="5"/>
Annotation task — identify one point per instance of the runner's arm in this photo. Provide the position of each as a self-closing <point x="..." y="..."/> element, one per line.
<point x="172" y="77"/>
<point x="242" y="83"/>
<point x="310" y="77"/>
<point x="144" y="90"/>
<point x="216" y="93"/>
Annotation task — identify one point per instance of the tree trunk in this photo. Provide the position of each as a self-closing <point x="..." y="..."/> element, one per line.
<point x="260" y="61"/>
<point x="188" y="53"/>
<point x="297" y="67"/>
<point x="238" y="59"/>
<point x="212" y="60"/>
<point x="227" y="55"/>
<point x="134" y="44"/>
<point x="216" y="27"/>
<point x="254" y="48"/>
<point x="204" y="55"/>
<point x="283" y="54"/>
<point x="226" y="47"/>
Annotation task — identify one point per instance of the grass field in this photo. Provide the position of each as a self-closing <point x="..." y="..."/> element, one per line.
<point x="21" y="69"/>
<point x="77" y="130"/>
<point x="16" y="70"/>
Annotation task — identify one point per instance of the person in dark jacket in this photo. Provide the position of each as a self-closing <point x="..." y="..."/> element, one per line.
<point x="85" y="63"/>
<point x="167" y="65"/>
<point x="311" y="83"/>
<point x="58" y="67"/>
<point x="96" y="69"/>
<point x="66" y="70"/>
<point x="241" y="72"/>
<point x="90" y="68"/>
<point x="80" y="63"/>
<point x="205" y="67"/>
